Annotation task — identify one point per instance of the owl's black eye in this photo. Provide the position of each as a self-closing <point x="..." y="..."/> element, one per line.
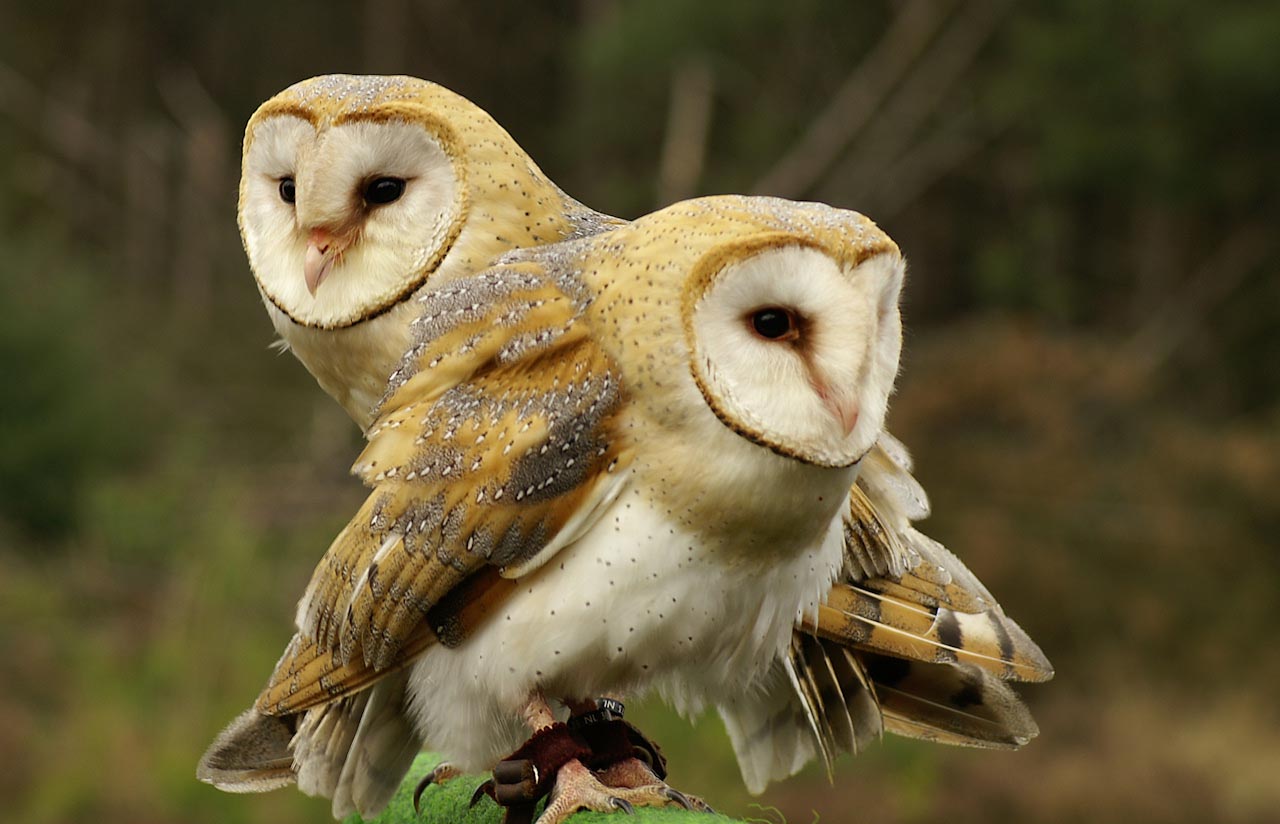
<point x="383" y="190"/>
<point x="287" y="191"/>
<point x="775" y="323"/>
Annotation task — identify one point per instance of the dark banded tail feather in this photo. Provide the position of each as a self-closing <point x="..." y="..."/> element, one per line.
<point x="956" y="704"/>
<point x="884" y="624"/>
<point x="909" y="642"/>
<point x="851" y="696"/>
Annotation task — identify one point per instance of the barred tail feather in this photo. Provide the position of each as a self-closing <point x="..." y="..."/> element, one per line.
<point x="323" y="742"/>
<point x="881" y="623"/>
<point x="954" y="704"/>
<point x="834" y="682"/>
<point x="909" y="641"/>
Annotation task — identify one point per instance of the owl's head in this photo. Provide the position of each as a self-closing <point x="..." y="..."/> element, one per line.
<point x="788" y="321"/>
<point x="795" y="346"/>
<point x="354" y="190"/>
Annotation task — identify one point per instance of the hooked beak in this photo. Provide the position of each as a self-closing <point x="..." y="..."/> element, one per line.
<point x="323" y="250"/>
<point x="843" y="408"/>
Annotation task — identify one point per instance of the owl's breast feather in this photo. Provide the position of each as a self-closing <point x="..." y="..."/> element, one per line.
<point x="639" y="602"/>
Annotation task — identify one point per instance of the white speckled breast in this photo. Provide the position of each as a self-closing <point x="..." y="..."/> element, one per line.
<point x="637" y="603"/>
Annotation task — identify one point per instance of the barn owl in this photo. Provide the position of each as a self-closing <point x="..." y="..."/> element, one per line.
<point x="360" y="193"/>
<point x="604" y="466"/>
<point x="357" y="192"/>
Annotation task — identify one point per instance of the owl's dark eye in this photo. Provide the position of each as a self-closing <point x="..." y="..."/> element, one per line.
<point x="775" y="323"/>
<point x="383" y="190"/>
<point x="287" y="191"/>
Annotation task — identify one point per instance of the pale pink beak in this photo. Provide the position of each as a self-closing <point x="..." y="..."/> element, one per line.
<point x="322" y="251"/>
<point x="845" y="409"/>
<point x="846" y="412"/>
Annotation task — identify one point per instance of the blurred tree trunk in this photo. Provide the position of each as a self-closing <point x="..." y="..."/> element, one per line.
<point x="684" y="148"/>
<point x="888" y="146"/>
<point x="147" y="166"/>
<point x="1157" y="265"/>
<point x="203" y="202"/>
<point x="1175" y="319"/>
<point x="856" y="102"/>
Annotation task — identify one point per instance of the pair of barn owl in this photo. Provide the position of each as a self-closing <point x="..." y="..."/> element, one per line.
<point x="605" y="458"/>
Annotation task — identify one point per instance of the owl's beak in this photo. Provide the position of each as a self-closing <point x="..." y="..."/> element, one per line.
<point x="844" y="408"/>
<point x="322" y="251"/>
<point x="846" y="412"/>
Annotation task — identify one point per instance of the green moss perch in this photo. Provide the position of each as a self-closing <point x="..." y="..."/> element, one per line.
<point x="449" y="804"/>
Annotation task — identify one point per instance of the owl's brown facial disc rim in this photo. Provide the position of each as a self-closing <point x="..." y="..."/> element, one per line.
<point x="702" y="279"/>
<point x="404" y="112"/>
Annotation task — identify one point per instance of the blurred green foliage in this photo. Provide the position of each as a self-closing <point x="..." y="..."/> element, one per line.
<point x="1091" y="384"/>
<point x="54" y="438"/>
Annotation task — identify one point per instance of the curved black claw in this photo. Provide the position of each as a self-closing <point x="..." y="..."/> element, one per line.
<point x="484" y="789"/>
<point x="421" y="787"/>
<point x="622" y="804"/>
<point x="678" y="797"/>
<point x="418" y="790"/>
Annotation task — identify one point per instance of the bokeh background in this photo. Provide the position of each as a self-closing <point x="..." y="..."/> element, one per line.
<point x="1087" y="192"/>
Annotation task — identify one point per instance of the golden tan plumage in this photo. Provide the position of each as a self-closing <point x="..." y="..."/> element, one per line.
<point x="386" y="593"/>
<point x="561" y="391"/>
<point x="466" y="465"/>
<point x="337" y="271"/>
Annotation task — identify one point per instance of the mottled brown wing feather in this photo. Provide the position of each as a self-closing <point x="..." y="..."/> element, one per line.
<point x="957" y="704"/>
<point x="932" y="608"/>
<point x="908" y="634"/>
<point x="497" y="433"/>
<point x="858" y="615"/>
<point x="310" y="675"/>
<point x="905" y="595"/>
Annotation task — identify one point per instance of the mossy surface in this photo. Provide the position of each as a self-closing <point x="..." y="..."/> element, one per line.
<point x="450" y="804"/>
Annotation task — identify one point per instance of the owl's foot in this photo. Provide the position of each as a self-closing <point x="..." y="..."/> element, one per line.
<point x="629" y="763"/>
<point x="442" y="773"/>
<point x="633" y="781"/>
<point x="577" y="788"/>
<point x="537" y="768"/>
<point x="517" y="785"/>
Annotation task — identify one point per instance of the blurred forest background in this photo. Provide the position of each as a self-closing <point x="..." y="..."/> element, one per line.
<point x="1087" y="192"/>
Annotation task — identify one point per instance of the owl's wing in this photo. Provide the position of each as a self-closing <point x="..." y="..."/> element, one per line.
<point x="909" y="642"/>
<point x="495" y="446"/>
<point x="906" y="595"/>
<point x="914" y="623"/>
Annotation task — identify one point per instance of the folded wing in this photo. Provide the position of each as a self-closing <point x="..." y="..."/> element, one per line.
<point x="909" y="642"/>
<point x="495" y="445"/>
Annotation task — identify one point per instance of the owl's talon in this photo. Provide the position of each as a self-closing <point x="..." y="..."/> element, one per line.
<point x="635" y="782"/>
<point x="577" y="788"/>
<point x="678" y="797"/>
<point x="487" y="788"/>
<point x="630" y="764"/>
<point x="442" y="773"/>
